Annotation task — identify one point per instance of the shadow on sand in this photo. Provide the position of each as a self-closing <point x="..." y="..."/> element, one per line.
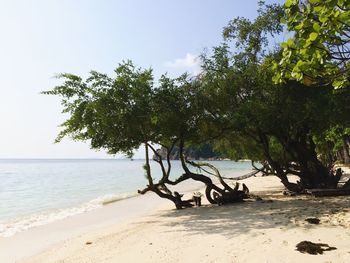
<point x="281" y="212"/>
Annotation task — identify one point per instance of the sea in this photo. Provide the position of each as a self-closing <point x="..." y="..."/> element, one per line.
<point x="35" y="192"/>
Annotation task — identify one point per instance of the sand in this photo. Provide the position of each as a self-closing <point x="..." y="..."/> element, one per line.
<point x="148" y="229"/>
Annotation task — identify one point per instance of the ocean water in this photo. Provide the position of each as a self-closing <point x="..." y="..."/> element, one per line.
<point x="36" y="192"/>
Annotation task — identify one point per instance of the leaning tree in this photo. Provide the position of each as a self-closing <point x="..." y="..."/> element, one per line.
<point x="122" y="113"/>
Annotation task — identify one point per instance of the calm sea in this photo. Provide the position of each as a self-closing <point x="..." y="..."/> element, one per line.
<point x="36" y="192"/>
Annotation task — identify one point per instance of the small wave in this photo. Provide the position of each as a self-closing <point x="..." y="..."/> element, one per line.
<point x="111" y="198"/>
<point x="12" y="227"/>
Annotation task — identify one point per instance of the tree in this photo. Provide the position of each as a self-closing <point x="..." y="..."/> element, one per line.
<point x="122" y="113"/>
<point x="319" y="51"/>
<point x="274" y="124"/>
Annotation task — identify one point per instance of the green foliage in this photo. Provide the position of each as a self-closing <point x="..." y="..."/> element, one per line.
<point x="252" y="37"/>
<point x="247" y="102"/>
<point x="176" y="112"/>
<point x="113" y="113"/>
<point x="330" y="142"/>
<point x="121" y="113"/>
<point x="319" y="51"/>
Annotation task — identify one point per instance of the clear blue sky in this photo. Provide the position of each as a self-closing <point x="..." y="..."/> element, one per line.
<point x="40" y="38"/>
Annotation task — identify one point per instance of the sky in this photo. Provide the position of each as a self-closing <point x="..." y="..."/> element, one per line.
<point x="41" y="38"/>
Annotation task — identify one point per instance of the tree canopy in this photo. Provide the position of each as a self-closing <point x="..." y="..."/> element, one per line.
<point x="318" y="53"/>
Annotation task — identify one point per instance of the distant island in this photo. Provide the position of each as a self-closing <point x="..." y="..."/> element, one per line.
<point x="203" y="152"/>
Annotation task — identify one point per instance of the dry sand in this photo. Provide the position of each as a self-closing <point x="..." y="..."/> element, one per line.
<point x="253" y="231"/>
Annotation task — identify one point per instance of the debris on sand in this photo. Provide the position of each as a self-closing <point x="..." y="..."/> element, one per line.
<point x="313" y="220"/>
<point x="313" y="248"/>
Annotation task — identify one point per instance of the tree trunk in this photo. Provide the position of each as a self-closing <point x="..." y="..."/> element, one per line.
<point x="279" y="172"/>
<point x="302" y="149"/>
<point x="313" y="173"/>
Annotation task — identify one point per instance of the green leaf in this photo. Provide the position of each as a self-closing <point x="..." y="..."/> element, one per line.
<point x="345" y="16"/>
<point x="307" y="43"/>
<point x="289" y="3"/>
<point x="284" y="45"/>
<point x="316" y="26"/>
<point x="297" y="75"/>
<point x="337" y="84"/>
<point x="323" y="18"/>
<point x="313" y="36"/>
<point x="318" y="9"/>
<point x="290" y="42"/>
<point x="276" y="78"/>
<point x="300" y="63"/>
<point x="303" y="51"/>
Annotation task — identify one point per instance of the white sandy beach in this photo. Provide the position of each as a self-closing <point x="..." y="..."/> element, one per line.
<point x="149" y="229"/>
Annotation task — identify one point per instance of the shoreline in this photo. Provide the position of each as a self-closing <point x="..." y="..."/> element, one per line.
<point x="149" y="229"/>
<point x="39" y="192"/>
<point x="12" y="223"/>
<point x="15" y="248"/>
<point x="13" y="226"/>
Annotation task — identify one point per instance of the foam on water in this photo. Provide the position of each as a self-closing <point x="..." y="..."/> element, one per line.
<point x="16" y="225"/>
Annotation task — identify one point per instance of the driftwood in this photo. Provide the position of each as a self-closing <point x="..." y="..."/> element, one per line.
<point x="231" y="196"/>
<point x="215" y="192"/>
